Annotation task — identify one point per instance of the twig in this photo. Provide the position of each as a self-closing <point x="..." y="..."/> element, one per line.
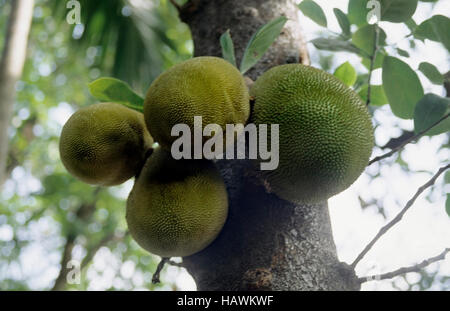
<point x="162" y="263"/>
<point x="175" y="264"/>
<point x="404" y="270"/>
<point x="84" y="212"/>
<point x="60" y="281"/>
<point x="399" y="216"/>
<point x="372" y="63"/>
<point x="415" y="137"/>
<point x="176" y="5"/>
<point x="397" y="141"/>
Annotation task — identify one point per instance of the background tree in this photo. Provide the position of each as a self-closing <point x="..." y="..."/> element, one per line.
<point x="11" y="66"/>
<point x="279" y="246"/>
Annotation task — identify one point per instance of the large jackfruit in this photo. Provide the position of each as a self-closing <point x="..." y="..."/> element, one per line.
<point x="104" y="144"/>
<point x="326" y="134"/>
<point x="176" y="208"/>
<point x="209" y="87"/>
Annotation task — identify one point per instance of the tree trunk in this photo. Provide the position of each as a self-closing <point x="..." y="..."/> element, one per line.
<point x="11" y="65"/>
<point x="267" y="243"/>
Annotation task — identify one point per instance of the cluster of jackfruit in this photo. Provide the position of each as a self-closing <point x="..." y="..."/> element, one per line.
<point x="178" y="207"/>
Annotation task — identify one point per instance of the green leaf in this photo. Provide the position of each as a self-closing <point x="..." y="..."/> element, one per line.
<point x="261" y="41"/>
<point x="343" y="21"/>
<point x="402" y="87"/>
<point x="447" y="204"/>
<point x="430" y="109"/>
<point x="334" y="44"/>
<point x="435" y="29"/>
<point x="313" y="11"/>
<point x="432" y="73"/>
<point x="228" y="48"/>
<point x="378" y="63"/>
<point x="397" y="11"/>
<point x="357" y="12"/>
<point x="364" y="38"/>
<point x="377" y="95"/>
<point x="447" y="177"/>
<point x="326" y="61"/>
<point x="411" y="24"/>
<point x="346" y="73"/>
<point x="117" y="91"/>
<point x="402" y="52"/>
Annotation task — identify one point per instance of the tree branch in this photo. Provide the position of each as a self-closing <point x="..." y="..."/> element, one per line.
<point x="372" y="63"/>
<point x="162" y="263"/>
<point x="397" y="141"/>
<point x="404" y="270"/>
<point x="176" y="5"/>
<point x="175" y="264"/>
<point x="399" y="216"/>
<point x="415" y="137"/>
<point x="409" y="137"/>
<point x="60" y="281"/>
<point x="83" y="213"/>
<point x="11" y="66"/>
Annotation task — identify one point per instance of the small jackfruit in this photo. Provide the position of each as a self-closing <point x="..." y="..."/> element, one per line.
<point x="104" y="144"/>
<point x="325" y="132"/>
<point x="209" y="87"/>
<point x="176" y="208"/>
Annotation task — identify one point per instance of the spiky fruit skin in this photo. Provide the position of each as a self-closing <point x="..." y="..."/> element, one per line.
<point x="209" y="87"/>
<point x="176" y="208"/>
<point x="325" y="132"/>
<point x="104" y="144"/>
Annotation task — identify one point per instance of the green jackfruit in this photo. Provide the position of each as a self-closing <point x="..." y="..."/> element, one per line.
<point x="325" y="132"/>
<point x="209" y="87"/>
<point x="104" y="144"/>
<point x="176" y="208"/>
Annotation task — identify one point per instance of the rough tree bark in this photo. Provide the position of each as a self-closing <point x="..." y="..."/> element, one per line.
<point x="11" y="65"/>
<point x="267" y="243"/>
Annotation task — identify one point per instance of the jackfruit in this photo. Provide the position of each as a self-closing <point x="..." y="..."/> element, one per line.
<point x="209" y="87"/>
<point x="104" y="144"/>
<point x="325" y="132"/>
<point x="176" y="208"/>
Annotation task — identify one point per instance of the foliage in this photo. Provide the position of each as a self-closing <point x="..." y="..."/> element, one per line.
<point x="346" y="73"/>
<point x="114" y="90"/>
<point x="401" y="85"/>
<point x="40" y="203"/>
<point x="402" y="89"/>
<point x="260" y="42"/>
<point x="228" y="48"/>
